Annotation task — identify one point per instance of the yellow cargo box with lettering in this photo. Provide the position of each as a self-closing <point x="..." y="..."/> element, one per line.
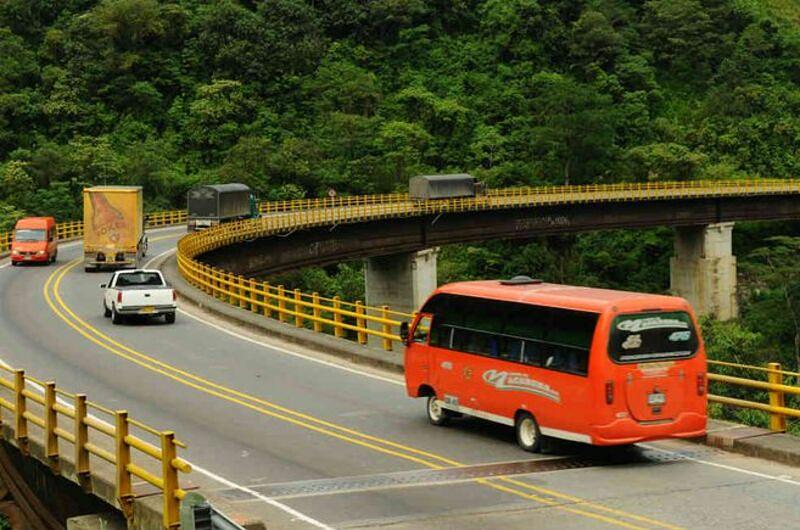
<point x="113" y="227"/>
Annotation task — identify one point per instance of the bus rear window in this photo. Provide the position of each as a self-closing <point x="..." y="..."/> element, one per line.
<point x="643" y="337"/>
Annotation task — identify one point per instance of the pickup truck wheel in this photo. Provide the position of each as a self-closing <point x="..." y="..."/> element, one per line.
<point x="169" y="318"/>
<point x="116" y="318"/>
<point x="106" y="311"/>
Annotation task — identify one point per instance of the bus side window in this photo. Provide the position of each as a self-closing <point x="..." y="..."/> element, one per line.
<point x="422" y="330"/>
<point x="532" y="354"/>
<point x="509" y="348"/>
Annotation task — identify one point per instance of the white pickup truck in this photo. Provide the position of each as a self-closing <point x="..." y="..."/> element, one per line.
<point x="138" y="292"/>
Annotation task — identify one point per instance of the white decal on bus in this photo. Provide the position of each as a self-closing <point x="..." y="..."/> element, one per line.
<point x="642" y="324"/>
<point x="502" y="380"/>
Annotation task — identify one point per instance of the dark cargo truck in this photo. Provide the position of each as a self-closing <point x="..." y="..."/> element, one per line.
<point x="213" y="204"/>
<point x="427" y="187"/>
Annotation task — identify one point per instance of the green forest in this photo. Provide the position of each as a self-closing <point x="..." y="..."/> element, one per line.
<point x="294" y="97"/>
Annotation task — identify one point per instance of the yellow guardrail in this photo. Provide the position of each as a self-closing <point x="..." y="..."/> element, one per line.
<point x="338" y="317"/>
<point x="63" y="416"/>
<point x="773" y="382"/>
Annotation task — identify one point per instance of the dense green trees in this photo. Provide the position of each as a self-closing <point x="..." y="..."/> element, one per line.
<point x="300" y="96"/>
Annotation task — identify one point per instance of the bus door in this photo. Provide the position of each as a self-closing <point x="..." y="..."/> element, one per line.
<point x="651" y="348"/>
<point x="450" y="369"/>
<point x="418" y="353"/>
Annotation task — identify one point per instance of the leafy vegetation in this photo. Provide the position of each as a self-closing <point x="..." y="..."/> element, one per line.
<point x="293" y="97"/>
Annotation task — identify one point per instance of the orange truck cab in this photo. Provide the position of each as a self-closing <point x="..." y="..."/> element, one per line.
<point x="34" y="241"/>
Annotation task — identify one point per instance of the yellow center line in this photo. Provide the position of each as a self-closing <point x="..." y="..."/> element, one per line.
<point x="316" y="424"/>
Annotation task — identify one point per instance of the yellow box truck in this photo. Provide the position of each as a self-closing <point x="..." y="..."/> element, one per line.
<point x="113" y="227"/>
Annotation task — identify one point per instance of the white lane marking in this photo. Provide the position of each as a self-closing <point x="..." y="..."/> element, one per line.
<point x="292" y="353"/>
<point x="278" y="348"/>
<point x="291" y="511"/>
<point x="154" y="258"/>
<point x="213" y="476"/>
<point x="777" y="478"/>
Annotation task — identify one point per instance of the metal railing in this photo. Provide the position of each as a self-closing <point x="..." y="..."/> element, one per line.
<point x="331" y="315"/>
<point x="772" y="381"/>
<point x="61" y="416"/>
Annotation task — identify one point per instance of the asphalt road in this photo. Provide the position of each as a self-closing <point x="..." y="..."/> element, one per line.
<point x="312" y="441"/>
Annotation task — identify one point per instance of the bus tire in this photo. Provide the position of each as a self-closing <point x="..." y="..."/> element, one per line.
<point x="529" y="437"/>
<point x="437" y="414"/>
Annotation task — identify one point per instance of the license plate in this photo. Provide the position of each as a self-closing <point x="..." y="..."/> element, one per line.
<point x="147" y="310"/>
<point x="27" y="258"/>
<point x="656" y="399"/>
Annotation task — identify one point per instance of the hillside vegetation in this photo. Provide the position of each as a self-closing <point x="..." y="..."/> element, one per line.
<point x="296" y="96"/>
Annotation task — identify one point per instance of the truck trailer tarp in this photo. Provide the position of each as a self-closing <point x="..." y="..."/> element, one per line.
<point x="441" y="186"/>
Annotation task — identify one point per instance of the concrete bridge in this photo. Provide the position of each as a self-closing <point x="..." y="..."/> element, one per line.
<point x="398" y="237"/>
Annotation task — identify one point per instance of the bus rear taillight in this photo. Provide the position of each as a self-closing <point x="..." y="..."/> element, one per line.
<point x="701" y="384"/>
<point x="609" y="392"/>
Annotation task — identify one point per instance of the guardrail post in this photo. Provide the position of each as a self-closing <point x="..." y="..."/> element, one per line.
<point x="169" y="474"/>
<point x="298" y="309"/>
<point x="20" y="406"/>
<point x="317" y="312"/>
<point x="50" y="424"/>
<point x="253" y="287"/>
<point x="338" y="330"/>
<point x="241" y="302"/>
<point x="215" y="283"/>
<point x="361" y="324"/>
<point x="281" y="303"/>
<point x="230" y="281"/>
<point x="267" y="298"/>
<point x="387" y="328"/>
<point x="123" y="457"/>
<point x="81" y="439"/>
<point x="777" y="421"/>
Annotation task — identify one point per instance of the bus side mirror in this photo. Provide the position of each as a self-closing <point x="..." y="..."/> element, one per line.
<point x="404" y="332"/>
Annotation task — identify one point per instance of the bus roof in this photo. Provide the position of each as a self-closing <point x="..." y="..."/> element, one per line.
<point x="565" y="296"/>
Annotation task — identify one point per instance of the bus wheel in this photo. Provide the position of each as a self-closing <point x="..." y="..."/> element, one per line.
<point x="529" y="437"/>
<point x="437" y="414"/>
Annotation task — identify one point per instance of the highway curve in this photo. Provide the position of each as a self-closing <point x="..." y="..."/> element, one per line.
<point x="311" y="441"/>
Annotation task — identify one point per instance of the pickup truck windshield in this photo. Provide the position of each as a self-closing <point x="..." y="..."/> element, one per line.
<point x="27" y="234"/>
<point x="135" y="279"/>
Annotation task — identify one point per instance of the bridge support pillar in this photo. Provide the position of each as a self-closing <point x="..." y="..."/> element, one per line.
<point x="400" y="281"/>
<point x="703" y="269"/>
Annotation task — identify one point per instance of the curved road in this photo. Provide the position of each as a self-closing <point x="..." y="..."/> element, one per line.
<point x="311" y="441"/>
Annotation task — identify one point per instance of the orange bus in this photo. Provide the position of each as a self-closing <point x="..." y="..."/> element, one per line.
<point x="590" y="365"/>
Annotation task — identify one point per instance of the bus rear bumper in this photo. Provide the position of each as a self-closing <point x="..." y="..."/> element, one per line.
<point x="629" y="431"/>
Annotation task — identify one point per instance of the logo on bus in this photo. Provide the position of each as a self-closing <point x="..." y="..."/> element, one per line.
<point x="502" y="380"/>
